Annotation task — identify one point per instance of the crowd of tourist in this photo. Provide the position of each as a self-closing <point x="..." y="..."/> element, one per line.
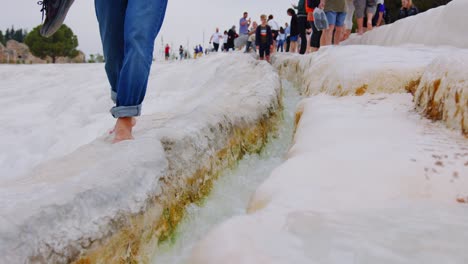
<point x="301" y="35"/>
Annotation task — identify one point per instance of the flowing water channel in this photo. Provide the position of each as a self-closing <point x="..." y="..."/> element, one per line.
<point x="232" y="191"/>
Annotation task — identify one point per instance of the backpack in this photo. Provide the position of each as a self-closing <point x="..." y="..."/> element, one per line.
<point x="312" y="4"/>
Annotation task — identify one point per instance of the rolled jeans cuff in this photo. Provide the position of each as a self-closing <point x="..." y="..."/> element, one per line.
<point x="114" y="96"/>
<point x="126" y="111"/>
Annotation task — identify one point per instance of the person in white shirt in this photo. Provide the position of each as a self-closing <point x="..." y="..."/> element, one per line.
<point x="225" y="40"/>
<point x="281" y="39"/>
<point x="274" y="30"/>
<point x="215" y="39"/>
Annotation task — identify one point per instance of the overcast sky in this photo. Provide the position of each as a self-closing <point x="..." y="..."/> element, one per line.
<point x="185" y="20"/>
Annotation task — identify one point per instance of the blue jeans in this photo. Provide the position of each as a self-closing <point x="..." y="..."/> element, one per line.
<point x="280" y="45"/>
<point x="128" y="29"/>
<point x="336" y="18"/>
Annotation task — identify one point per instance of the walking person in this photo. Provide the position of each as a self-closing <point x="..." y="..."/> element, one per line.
<point x="167" y="52"/>
<point x="316" y="35"/>
<point x="336" y="15"/>
<point x="251" y="39"/>
<point x="121" y="24"/>
<point x="244" y="24"/>
<point x="181" y="52"/>
<point x="215" y="38"/>
<point x="274" y="29"/>
<point x="133" y="25"/>
<point x="232" y="35"/>
<point x="364" y="8"/>
<point x="287" y="32"/>
<point x="371" y="10"/>
<point x="281" y="39"/>
<point x="264" y="39"/>
<point x="225" y="40"/>
<point x="379" y="17"/>
<point x="294" y="31"/>
<point x="302" y="25"/>
<point x="195" y="52"/>
<point x="200" y="50"/>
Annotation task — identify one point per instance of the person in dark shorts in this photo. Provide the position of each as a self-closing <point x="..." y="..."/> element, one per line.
<point x="264" y="39"/>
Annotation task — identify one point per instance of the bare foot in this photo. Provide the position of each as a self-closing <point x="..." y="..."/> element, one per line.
<point x="369" y="25"/>
<point x="133" y="124"/>
<point x="123" y="129"/>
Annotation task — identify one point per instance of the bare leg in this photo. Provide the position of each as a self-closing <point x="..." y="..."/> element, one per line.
<point x="123" y="129"/>
<point x="346" y="34"/>
<point x="360" y="25"/>
<point x="327" y="36"/>
<point x="369" y="21"/>
<point x="133" y="124"/>
<point x="338" y="35"/>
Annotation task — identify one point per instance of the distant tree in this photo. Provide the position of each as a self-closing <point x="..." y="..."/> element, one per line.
<point x="62" y="44"/>
<point x="91" y="59"/>
<point x="7" y="35"/>
<point x="2" y="38"/>
<point x="99" y="58"/>
<point x="18" y="35"/>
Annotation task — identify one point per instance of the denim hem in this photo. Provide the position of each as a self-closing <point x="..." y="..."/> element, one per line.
<point x="114" y="96"/>
<point x="126" y="111"/>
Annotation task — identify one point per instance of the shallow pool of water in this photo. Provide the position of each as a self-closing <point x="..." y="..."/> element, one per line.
<point x="232" y="191"/>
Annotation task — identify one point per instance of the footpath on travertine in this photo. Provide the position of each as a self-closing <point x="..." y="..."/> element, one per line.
<point x="105" y="203"/>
